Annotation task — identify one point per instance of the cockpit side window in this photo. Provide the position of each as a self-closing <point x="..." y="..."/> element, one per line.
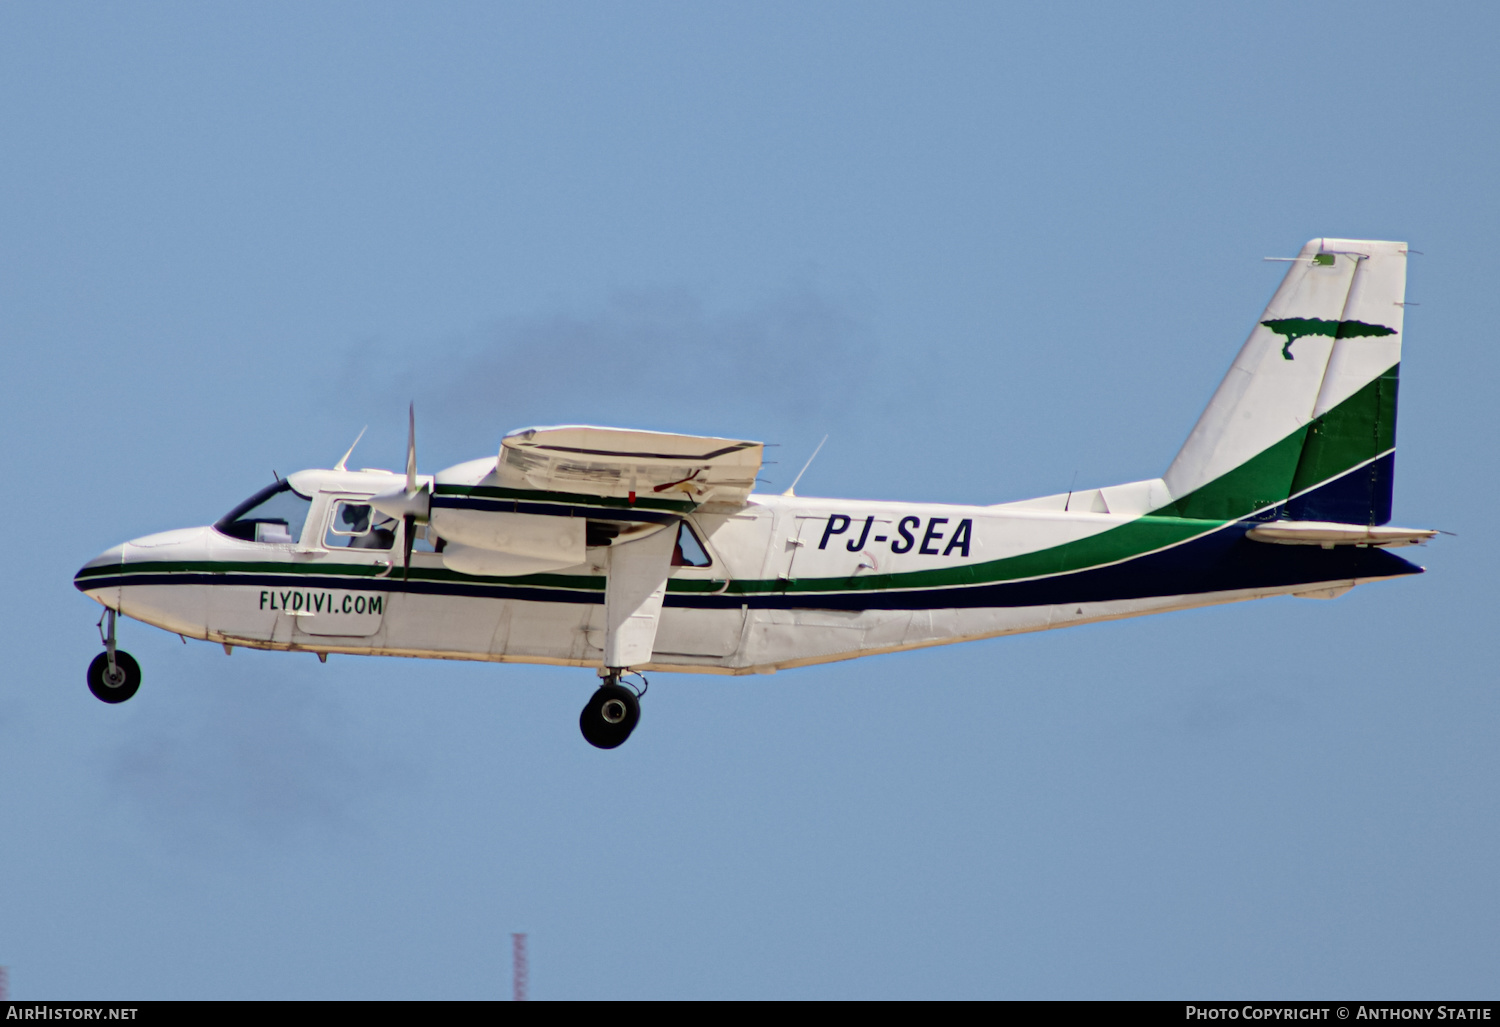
<point x="688" y="552"/>
<point x="357" y="526"/>
<point x="274" y="514"/>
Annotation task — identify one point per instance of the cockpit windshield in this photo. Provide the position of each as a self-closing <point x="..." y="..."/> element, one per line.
<point x="274" y="514"/>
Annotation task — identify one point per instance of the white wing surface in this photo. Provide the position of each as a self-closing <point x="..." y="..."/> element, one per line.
<point x="621" y="463"/>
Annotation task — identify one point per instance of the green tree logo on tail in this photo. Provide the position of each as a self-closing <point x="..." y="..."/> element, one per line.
<point x="1295" y="328"/>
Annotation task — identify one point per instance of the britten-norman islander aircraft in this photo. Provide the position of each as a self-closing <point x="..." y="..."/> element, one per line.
<point x="629" y="551"/>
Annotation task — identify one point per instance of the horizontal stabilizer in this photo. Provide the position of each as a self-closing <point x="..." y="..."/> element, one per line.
<point x="1328" y="534"/>
<point x="622" y="463"/>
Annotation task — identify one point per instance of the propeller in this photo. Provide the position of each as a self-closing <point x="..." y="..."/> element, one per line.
<point x="411" y="502"/>
<point x="408" y="537"/>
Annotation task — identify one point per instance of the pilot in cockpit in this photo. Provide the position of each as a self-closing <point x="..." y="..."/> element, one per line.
<point x="357" y="526"/>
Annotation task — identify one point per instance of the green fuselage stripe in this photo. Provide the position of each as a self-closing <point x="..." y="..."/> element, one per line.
<point x="1356" y="431"/>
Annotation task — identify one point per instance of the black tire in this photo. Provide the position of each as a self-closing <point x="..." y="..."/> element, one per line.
<point x="127" y="671"/>
<point x="611" y="714"/>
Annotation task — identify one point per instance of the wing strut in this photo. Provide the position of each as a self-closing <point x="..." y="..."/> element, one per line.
<point x="633" y="594"/>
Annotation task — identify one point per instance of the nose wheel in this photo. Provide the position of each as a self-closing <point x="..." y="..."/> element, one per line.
<point x="611" y="714"/>
<point x="114" y="675"/>
<point x="115" y="685"/>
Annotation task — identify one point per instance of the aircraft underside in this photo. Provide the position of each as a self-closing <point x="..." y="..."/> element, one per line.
<point x="764" y="641"/>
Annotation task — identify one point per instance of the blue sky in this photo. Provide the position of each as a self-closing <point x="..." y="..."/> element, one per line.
<point x="988" y="249"/>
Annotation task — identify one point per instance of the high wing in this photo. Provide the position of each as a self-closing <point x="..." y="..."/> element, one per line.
<point x="624" y="464"/>
<point x="553" y="492"/>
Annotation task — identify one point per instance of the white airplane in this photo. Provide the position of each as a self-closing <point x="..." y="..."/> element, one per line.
<point x="630" y="551"/>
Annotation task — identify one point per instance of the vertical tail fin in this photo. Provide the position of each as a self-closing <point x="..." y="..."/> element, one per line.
<point x="1308" y="409"/>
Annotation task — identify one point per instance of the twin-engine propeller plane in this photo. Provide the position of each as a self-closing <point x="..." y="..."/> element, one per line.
<point x="630" y="551"/>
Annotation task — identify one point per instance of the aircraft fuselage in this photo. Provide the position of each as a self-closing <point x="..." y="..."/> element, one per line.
<point x="789" y="581"/>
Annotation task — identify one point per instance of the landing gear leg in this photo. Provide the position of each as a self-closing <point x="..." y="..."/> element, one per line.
<point x="114" y="675"/>
<point x="611" y="713"/>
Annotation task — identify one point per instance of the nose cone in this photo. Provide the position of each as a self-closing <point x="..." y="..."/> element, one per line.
<point x="94" y="575"/>
<point x="106" y="569"/>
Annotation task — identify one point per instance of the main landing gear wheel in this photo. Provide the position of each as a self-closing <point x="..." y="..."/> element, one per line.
<point x="120" y="685"/>
<point x="610" y="716"/>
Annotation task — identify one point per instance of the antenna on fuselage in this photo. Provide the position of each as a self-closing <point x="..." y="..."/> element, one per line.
<point x="805" y="466"/>
<point x="345" y="458"/>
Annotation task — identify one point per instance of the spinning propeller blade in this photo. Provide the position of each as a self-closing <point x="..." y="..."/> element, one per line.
<point x="408" y="537"/>
<point x="412" y="503"/>
<point x="411" y="449"/>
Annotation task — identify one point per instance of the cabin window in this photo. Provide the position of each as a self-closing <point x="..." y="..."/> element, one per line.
<point x="357" y="526"/>
<point x="274" y="514"/>
<point x="688" y="552"/>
